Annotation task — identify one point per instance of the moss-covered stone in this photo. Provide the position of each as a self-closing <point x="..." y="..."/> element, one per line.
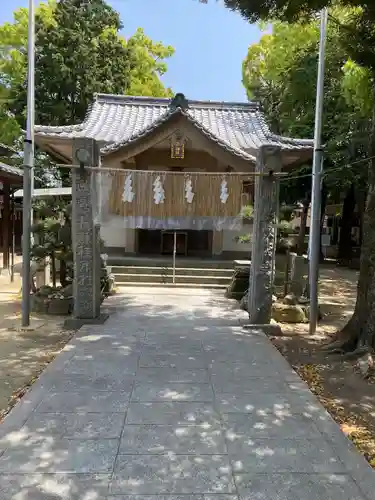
<point x="288" y="313"/>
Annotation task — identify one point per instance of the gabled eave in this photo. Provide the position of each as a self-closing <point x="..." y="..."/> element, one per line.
<point x="164" y="128"/>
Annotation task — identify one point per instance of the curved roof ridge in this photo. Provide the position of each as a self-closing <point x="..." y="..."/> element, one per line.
<point x="163" y="119"/>
<point x="131" y="99"/>
<point x="147" y="100"/>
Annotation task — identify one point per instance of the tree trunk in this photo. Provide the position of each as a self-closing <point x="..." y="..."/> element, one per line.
<point x="302" y="229"/>
<point x="345" y="242"/>
<point x="360" y="330"/>
<point x="63" y="273"/>
<point x="361" y="204"/>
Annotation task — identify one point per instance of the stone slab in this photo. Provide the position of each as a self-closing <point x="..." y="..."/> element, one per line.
<point x="53" y="486"/>
<point x="255" y="403"/>
<point x="76" y="425"/>
<point x="84" y="401"/>
<point x="164" y="391"/>
<point x="102" y="368"/>
<point x="47" y="455"/>
<point x="237" y="384"/>
<point x="244" y="427"/>
<point x="173" y="360"/>
<point x="173" y="375"/>
<point x="182" y="440"/>
<point x="172" y="413"/>
<point x="297" y="486"/>
<point x="182" y="474"/>
<point x="283" y="455"/>
<point x="76" y="382"/>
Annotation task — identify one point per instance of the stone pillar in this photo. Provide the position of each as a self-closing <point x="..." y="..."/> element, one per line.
<point x="85" y="236"/>
<point x="266" y="204"/>
<point x="298" y="274"/>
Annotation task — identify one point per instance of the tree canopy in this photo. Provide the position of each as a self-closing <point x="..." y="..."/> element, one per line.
<point x="79" y="51"/>
<point x="281" y="72"/>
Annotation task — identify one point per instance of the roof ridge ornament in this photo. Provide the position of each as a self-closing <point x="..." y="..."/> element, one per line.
<point x="179" y="101"/>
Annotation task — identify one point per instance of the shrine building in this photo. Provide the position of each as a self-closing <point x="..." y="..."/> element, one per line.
<point x="179" y="171"/>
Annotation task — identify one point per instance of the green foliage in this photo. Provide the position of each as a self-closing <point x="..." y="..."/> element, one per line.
<point x="148" y="65"/>
<point x="79" y="52"/>
<point x="52" y="235"/>
<point x="281" y="71"/>
<point x="247" y="212"/>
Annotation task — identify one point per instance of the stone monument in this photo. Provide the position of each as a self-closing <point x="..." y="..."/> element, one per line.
<point x="85" y="236"/>
<point x="266" y="204"/>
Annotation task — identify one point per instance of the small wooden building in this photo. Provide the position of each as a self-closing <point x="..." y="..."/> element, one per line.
<point x="11" y="179"/>
<point x="177" y="165"/>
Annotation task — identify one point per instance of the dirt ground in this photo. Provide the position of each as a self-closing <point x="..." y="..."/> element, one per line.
<point x="24" y="353"/>
<point x="339" y="384"/>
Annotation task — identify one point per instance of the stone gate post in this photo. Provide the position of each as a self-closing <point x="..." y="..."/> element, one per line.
<point x="266" y="204"/>
<point x="85" y="234"/>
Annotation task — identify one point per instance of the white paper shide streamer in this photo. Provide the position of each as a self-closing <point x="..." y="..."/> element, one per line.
<point x="224" y="195"/>
<point x="128" y="193"/>
<point x="159" y="194"/>
<point x="189" y="195"/>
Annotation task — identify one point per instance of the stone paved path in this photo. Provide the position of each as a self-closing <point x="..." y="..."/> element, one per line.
<point x="173" y="400"/>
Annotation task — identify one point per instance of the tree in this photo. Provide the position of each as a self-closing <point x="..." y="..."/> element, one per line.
<point x="148" y="65"/>
<point x="79" y="52"/>
<point x="53" y="240"/>
<point x="358" y="39"/>
<point x="280" y="72"/>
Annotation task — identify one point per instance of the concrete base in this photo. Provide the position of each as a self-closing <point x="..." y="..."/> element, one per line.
<point x="77" y="323"/>
<point x="271" y="330"/>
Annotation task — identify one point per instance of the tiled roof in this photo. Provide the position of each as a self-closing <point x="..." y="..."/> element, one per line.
<point x="10" y="170"/>
<point x="118" y="120"/>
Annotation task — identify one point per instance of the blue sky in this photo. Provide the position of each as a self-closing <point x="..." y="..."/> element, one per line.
<point x="210" y="41"/>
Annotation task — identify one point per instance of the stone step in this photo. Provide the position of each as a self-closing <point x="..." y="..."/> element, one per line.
<point x="180" y="271"/>
<point x="168" y="262"/>
<point x="169" y="285"/>
<point x="185" y="279"/>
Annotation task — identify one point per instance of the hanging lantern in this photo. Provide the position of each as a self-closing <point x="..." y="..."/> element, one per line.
<point x="177" y="148"/>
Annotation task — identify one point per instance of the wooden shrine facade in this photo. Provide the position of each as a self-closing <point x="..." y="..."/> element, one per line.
<point x="163" y="151"/>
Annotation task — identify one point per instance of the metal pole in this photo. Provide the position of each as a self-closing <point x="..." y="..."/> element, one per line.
<point x="28" y="171"/>
<point x="314" y="239"/>
<point x="174" y="257"/>
<point x="13" y="239"/>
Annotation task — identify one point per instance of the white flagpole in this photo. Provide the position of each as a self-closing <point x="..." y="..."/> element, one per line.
<point x="28" y="170"/>
<point x="316" y="190"/>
